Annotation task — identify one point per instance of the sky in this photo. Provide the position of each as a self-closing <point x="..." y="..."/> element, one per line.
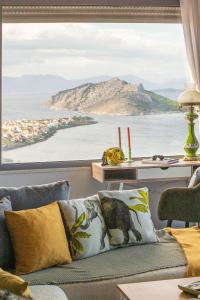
<point x="153" y="52"/>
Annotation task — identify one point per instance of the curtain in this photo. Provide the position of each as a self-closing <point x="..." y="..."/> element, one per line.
<point x="190" y="11"/>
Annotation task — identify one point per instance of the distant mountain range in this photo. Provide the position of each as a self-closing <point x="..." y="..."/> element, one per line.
<point x="51" y="84"/>
<point x="113" y="96"/>
<point x="169" y="93"/>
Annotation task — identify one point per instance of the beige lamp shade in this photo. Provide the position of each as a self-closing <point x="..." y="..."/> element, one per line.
<point x="189" y="97"/>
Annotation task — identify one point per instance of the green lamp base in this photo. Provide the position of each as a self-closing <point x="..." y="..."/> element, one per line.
<point x="191" y="144"/>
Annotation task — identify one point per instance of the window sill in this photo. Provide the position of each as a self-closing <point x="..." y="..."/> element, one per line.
<point x="46" y="165"/>
<point x="57" y="164"/>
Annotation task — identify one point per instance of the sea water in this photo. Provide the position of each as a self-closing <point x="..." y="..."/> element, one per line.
<point x="150" y="134"/>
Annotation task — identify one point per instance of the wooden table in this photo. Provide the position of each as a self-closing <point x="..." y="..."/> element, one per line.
<point x="156" y="290"/>
<point x="137" y="171"/>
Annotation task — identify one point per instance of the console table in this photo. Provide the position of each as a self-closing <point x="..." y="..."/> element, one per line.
<point x="138" y="171"/>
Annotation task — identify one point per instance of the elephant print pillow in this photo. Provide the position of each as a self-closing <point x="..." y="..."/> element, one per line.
<point x="85" y="226"/>
<point x="127" y="217"/>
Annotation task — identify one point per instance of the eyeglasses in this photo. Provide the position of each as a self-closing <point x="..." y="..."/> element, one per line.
<point x="158" y="157"/>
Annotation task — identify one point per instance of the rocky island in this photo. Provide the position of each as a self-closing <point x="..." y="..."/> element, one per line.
<point x="112" y="97"/>
<point x="19" y="133"/>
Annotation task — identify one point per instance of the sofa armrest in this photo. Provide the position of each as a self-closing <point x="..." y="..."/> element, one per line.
<point x="47" y="292"/>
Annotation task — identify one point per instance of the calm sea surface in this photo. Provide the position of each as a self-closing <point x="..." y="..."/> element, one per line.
<point x="151" y="134"/>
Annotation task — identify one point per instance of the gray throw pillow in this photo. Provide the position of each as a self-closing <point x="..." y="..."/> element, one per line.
<point x="85" y="226"/>
<point x="127" y="217"/>
<point x="35" y="196"/>
<point x="6" y="250"/>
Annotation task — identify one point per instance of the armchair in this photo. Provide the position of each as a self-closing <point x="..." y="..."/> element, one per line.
<point x="181" y="204"/>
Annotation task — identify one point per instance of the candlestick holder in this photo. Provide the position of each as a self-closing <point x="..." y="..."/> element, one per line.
<point x="129" y="159"/>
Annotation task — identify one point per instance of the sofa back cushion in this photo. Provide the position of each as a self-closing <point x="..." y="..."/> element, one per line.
<point x="127" y="216"/>
<point x="28" y="197"/>
<point x="6" y="251"/>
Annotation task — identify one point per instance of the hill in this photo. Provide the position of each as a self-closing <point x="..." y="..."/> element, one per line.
<point x="114" y="96"/>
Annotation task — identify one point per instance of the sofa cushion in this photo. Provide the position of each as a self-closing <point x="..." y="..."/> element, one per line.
<point x="85" y="226"/>
<point x="117" y="263"/>
<point x="6" y="251"/>
<point x="38" y="238"/>
<point x="127" y="217"/>
<point x="37" y="195"/>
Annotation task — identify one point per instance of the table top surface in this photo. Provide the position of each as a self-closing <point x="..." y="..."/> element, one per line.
<point x="138" y="164"/>
<point x="157" y="290"/>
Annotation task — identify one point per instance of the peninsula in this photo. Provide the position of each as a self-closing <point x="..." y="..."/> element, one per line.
<point x="20" y="133"/>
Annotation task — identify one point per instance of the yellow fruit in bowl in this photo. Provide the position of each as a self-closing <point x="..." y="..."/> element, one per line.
<point x="113" y="156"/>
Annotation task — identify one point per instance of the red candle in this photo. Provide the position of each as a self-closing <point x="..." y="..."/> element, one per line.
<point x="129" y="138"/>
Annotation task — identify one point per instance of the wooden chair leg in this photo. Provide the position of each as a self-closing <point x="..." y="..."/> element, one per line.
<point x="187" y="224"/>
<point x="169" y="223"/>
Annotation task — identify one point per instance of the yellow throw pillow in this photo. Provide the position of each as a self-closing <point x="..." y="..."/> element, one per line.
<point x="14" y="284"/>
<point x="38" y="238"/>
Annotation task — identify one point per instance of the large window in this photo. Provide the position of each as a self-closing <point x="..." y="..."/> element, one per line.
<point x="67" y="87"/>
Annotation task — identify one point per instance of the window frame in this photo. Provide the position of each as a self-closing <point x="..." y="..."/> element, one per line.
<point x="126" y="6"/>
<point x="157" y="3"/>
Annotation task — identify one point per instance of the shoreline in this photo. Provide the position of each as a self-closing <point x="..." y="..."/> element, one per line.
<point x="156" y="112"/>
<point x="22" y="133"/>
<point x="140" y="114"/>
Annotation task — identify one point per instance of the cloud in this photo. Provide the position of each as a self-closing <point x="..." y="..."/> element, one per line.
<point x="76" y="50"/>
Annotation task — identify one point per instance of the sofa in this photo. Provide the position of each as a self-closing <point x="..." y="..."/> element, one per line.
<point x="95" y="277"/>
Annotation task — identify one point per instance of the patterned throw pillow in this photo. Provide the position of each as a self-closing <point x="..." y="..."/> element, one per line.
<point x="85" y="226"/>
<point x="127" y="217"/>
<point x="11" y="284"/>
<point x="5" y="295"/>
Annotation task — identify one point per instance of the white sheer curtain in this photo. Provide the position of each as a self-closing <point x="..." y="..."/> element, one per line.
<point x="190" y="11"/>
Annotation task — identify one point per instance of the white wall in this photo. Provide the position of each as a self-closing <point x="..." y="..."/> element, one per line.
<point x="82" y="183"/>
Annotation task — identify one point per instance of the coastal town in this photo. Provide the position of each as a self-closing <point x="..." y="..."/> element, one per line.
<point x="19" y="133"/>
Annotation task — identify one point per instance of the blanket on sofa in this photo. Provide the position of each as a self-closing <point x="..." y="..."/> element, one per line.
<point x="118" y="263"/>
<point x="189" y="240"/>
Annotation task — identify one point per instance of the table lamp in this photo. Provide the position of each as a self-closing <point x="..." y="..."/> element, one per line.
<point x="190" y="98"/>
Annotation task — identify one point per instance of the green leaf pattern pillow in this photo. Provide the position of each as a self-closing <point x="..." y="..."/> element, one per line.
<point x="127" y="216"/>
<point x="85" y="226"/>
